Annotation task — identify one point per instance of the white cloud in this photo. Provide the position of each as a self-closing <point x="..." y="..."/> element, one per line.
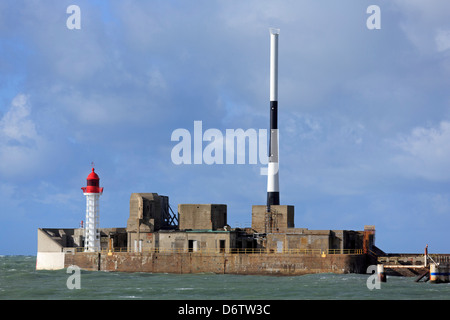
<point x="303" y="126"/>
<point x="425" y="152"/>
<point x="15" y="124"/>
<point x="22" y="149"/>
<point x="425" y="23"/>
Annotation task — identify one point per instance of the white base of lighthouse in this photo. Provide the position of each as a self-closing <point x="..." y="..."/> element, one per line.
<point x="91" y="228"/>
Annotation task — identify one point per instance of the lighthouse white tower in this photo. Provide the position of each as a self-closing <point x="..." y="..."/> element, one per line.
<point x="91" y="227"/>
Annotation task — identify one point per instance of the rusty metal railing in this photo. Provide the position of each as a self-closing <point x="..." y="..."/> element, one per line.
<point x="227" y="251"/>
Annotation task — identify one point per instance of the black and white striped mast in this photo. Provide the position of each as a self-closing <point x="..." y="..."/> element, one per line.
<point x="273" y="191"/>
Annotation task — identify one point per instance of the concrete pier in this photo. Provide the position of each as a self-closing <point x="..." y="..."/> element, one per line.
<point x="219" y="263"/>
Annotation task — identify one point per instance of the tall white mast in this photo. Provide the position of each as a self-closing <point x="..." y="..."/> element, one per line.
<point x="273" y="189"/>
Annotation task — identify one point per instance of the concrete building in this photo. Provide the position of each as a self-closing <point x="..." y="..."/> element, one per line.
<point x="202" y="216"/>
<point x="149" y="213"/>
<point x="152" y="227"/>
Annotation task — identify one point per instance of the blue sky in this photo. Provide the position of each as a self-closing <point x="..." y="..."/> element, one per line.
<point x="364" y="114"/>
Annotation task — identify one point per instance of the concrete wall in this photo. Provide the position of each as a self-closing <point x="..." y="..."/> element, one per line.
<point x="301" y="238"/>
<point x="202" y="216"/>
<point x="261" y="264"/>
<point x="58" y="240"/>
<point x="145" y="212"/>
<point x="84" y="260"/>
<point x="145" y="241"/>
<point x="48" y="241"/>
<point x="308" y="239"/>
<point x="54" y="240"/>
<point x="50" y="255"/>
<point x="279" y="219"/>
<point x="173" y="241"/>
<point x="197" y="241"/>
<point x="211" y="241"/>
<point x="50" y="260"/>
<point x="146" y="217"/>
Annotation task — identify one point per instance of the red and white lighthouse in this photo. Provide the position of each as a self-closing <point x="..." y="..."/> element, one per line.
<point x="91" y="228"/>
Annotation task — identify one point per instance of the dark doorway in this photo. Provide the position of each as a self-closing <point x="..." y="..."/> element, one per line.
<point x="222" y="245"/>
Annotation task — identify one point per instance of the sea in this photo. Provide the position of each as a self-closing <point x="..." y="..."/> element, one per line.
<point x="19" y="280"/>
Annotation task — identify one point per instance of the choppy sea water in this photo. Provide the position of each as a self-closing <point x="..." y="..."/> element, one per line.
<point x="20" y="280"/>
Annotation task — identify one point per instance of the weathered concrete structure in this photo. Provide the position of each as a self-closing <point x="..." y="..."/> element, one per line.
<point x="199" y="239"/>
<point x="225" y="263"/>
<point x="202" y="216"/>
<point x="149" y="212"/>
<point x="279" y="219"/>
<point x="54" y="244"/>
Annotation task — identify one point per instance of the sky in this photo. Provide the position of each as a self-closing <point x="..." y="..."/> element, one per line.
<point x="364" y="114"/>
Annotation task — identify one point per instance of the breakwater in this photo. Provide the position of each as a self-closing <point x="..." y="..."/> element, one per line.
<point x="219" y="263"/>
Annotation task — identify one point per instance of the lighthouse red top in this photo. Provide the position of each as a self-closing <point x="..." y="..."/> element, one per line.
<point x="93" y="183"/>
